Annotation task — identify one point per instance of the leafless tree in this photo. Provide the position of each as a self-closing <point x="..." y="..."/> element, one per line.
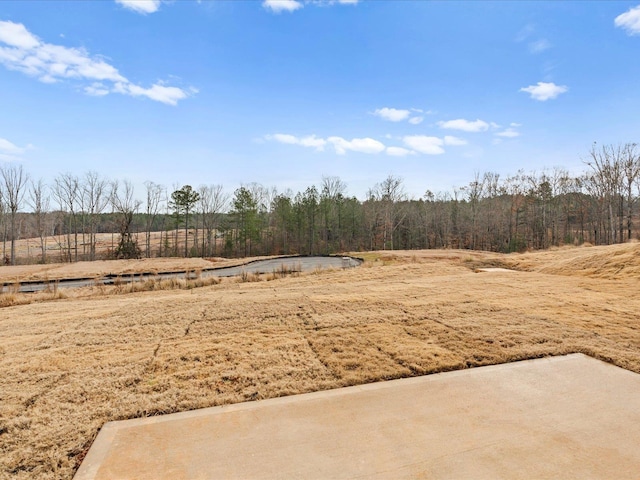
<point x="606" y="164"/>
<point x="155" y="196"/>
<point x="631" y="172"/>
<point x="475" y="191"/>
<point x="40" y="203"/>
<point x="95" y="198"/>
<point x="213" y="201"/>
<point x="125" y="205"/>
<point x="66" y="190"/>
<point x="14" y="183"/>
<point x="390" y="194"/>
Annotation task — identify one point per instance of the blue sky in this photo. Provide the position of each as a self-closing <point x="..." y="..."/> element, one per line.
<point x="282" y="92"/>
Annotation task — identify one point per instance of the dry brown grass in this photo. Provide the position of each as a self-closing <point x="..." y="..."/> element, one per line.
<point x="28" y="249"/>
<point x="69" y="366"/>
<point x="612" y="262"/>
<point x="99" y="268"/>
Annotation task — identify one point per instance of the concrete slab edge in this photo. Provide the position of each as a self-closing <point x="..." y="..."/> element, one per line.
<point x="99" y="450"/>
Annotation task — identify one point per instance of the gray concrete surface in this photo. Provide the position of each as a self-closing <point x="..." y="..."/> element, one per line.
<point x="295" y="264"/>
<point x="561" y="417"/>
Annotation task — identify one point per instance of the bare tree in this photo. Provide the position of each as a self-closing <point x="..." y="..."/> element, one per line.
<point x="95" y="199"/>
<point x="390" y="194"/>
<point x="15" y="180"/>
<point x="155" y="195"/>
<point x="631" y="172"/>
<point x="39" y="202"/>
<point x="125" y="205"/>
<point x="3" y="217"/>
<point x="606" y="164"/>
<point x="66" y="190"/>
<point x="475" y="191"/>
<point x="213" y="201"/>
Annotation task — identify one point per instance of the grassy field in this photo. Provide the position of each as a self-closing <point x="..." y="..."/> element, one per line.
<point x="69" y="365"/>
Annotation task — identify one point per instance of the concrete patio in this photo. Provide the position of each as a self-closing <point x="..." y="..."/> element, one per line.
<point x="559" y="417"/>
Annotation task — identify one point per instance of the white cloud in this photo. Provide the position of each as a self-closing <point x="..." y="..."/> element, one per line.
<point x="283" y="138"/>
<point x="362" y="145"/>
<point x="454" y="141"/>
<point x="9" y="148"/>
<point x="416" y="120"/>
<point x="309" y="141"/>
<point x="141" y="6"/>
<point x="16" y="35"/>
<point x="278" y="6"/>
<point x="514" y="124"/>
<point x="525" y="33"/>
<point x="10" y="152"/>
<point x="96" y="89"/>
<point x="465" y="125"/>
<point x="157" y="92"/>
<point x="424" y="144"/>
<point x="539" y="46"/>
<point x="508" y="133"/>
<point x="629" y="21"/>
<point x="26" y="53"/>
<point x="392" y="114"/>
<point x="341" y="145"/>
<point x="544" y="91"/>
<point x="399" y="152"/>
<point x="314" y="142"/>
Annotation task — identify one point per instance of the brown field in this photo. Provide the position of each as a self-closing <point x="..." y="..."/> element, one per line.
<point x="67" y="366"/>
<point x="28" y="250"/>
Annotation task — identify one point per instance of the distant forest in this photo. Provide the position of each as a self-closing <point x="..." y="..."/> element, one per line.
<point x="528" y="210"/>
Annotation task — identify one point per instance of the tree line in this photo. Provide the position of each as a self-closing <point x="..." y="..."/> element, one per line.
<point x="526" y="210"/>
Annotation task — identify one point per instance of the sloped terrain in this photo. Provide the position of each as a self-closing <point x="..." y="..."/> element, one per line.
<point x="70" y="365"/>
<point x="612" y="261"/>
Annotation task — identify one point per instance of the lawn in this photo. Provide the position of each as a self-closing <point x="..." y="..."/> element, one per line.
<point x="71" y="364"/>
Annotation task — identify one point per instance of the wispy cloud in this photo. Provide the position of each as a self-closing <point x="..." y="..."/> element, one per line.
<point x="10" y="152"/>
<point x="363" y="145"/>
<point x="525" y="32"/>
<point x="544" y="91"/>
<point x="24" y="52"/>
<point x="392" y="114"/>
<point x="465" y="125"/>
<point x="629" y="21"/>
<point x="278" y="6"/>
<point x="308" y="141"/>
<point x="340" y="145"/>
<point x="141" y="6"/>
<point x="401" y="114"/>
<point x="508" y="133"/>
<point x="413" y="144"/>
<point x="399" y="152"/>
<point x="539" y="46"/>
<point x="535" y="46"/>
<point x="424" y="144"/>
<point x="454" y="141"/>
<point x="7" y="147"/>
